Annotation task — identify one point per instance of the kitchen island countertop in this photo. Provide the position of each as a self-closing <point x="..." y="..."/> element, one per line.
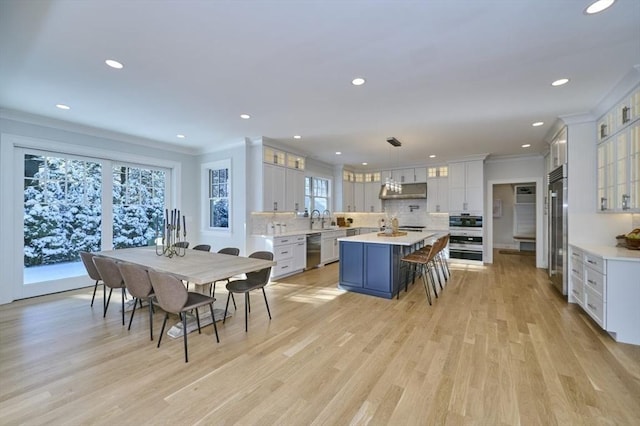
<point x="404" y="240"/>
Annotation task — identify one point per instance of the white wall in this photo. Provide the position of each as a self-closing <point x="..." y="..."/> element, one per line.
<point x="240" y="190"/>
<point x="38" y="132"/>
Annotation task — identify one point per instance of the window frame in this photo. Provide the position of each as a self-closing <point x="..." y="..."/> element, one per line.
<point x="312" y="196"/>
<point x="206" y="197"/>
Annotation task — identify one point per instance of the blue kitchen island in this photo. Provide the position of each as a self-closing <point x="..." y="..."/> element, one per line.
<point x="370" y="264"/>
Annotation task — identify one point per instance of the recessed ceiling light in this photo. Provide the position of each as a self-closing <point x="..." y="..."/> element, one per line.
<point x="338" y="153"/>
<point x="538" y="123"/>
<point x="297" y="137"/>
<point x="598" y="6"/>
<point x="245" y="116"/>
<point x="180" y="136"/>
<point x="358" y="81"/>
<point x="63" y="106"/>
<point x="526" y="145"/>
<point x="114" y="64"/>
<point x="365" y="164"/>
<point x="560" y="82"/>
<point x="432" y="156"/>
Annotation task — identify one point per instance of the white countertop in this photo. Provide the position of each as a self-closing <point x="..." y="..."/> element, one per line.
<point x="611" y="252"/>
<point x="405" y="240"/>
<point x="302" y="232"/>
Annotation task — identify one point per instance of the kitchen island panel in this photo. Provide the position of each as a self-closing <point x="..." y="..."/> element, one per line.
<point x="352" y="264"/>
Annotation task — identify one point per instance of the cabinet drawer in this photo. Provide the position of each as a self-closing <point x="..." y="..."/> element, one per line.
<point x="594" y="306"/>
<point x="300" y="239"/>
<point x="577" y="290"/>
<point x="595" y="281"/>
<point x="594" y="262"/>
<point x="278" y="241"/>
<point x="283" y="252"/>
<point x="576" y="255"/>
<point x="577" y="269"/>
<point x="282" y="268"/>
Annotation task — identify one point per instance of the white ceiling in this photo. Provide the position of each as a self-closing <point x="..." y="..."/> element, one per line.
<point x="451" y="78"/>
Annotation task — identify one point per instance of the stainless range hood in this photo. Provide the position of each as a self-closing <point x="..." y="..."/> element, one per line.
<point x="410" y="191"/>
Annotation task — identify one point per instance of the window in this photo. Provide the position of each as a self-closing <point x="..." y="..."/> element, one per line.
<point x="219" y="194"/>
<point x="62" y="209"/>
<point x="316" y="193"/>
<point x="138" y="205"/>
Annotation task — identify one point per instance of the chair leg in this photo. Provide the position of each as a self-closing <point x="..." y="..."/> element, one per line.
<point x="426" y="286"/>
<point x="197" y="320"/>
<point x="213" y="289"/>
<point x="95" y="287"/>
<point x="123" y="291"/>
<point x="226" y="307"/>
<point x="133" y="313"/>
<point x="166" y="315"/>
<point x="106" y="304"/>
<point x="246" y="314"/>
<point x="265" y="302"/>
<point x="213" y="320"/>
<point x="184" y="334"/>
<point x="433" y="280"/>
<point x="233" y="299"/>
<point x="150" y="319"/>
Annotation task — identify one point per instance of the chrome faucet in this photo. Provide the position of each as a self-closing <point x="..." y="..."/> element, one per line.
<point x="325" y="214"/>
<point x="315" y="214"/>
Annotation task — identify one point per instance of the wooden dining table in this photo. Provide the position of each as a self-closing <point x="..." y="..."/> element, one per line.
<point x="196" y="267"/>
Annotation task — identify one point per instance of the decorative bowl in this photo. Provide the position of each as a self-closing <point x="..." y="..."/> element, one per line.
<point x="633" y="243"/>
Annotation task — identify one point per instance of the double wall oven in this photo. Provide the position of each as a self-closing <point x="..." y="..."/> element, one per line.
<point x="465" y="241"/>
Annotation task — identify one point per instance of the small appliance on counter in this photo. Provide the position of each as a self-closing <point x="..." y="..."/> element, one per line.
<point x="341" y="221"/>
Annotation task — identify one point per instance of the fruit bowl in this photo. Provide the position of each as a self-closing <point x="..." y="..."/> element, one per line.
<point x="633" y="239"/>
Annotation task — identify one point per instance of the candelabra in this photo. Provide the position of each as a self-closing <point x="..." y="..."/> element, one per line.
<point x="172" y="241"/>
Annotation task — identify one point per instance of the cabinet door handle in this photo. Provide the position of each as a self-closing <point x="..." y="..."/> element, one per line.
<point x="603" y="131"/>
<point x="437" y="208"/>
<point x="296" y="206"/>
<point x="625" y="115"/>
<point x="603" y="203"/>
<point x="275" y="206"/>
<point x="625" y="201"/>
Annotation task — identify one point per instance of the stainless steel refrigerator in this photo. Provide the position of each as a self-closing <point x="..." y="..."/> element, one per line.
<point x="558" y="251"/>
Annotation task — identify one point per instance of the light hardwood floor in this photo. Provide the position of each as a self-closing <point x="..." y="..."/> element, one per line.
<point x="499" y="347"/>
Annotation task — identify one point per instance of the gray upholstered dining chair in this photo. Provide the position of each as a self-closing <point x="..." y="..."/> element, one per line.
<point x="112" y="278"/>
<point x="136" y="279"/>
<point x="173" y="298"/>
<point x="182" y="244"/>
<point x="231" y="251"/>
<point x="87" y="260"/>
<point x="255" y="280"/>
<point x="202" y="247"/>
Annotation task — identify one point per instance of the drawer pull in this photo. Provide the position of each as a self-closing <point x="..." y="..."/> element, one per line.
<point x="591" y="306"/>
<point x="591" y="262"/>
<point x="285" y="266"/>
<point x="574" y="271"/>
<point x="284" y="241"/>
<point x="576" y="292"/>
<point x="592" y="282"/>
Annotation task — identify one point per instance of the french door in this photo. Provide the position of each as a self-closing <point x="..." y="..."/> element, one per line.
<point x="72" y="204"/>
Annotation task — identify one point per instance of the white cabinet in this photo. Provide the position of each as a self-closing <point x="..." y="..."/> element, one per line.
<point x="329" y="247"/>
<point x="418" y="174"/>
<point x="466" y="184"/>
<point x="372" y="202"/>
<point x="607" y="291"/>
<point x="438" y="195"/>
<point x="558" y="150"/>
<point x="618" y="164"/>
<point x="282" y="184"/>
<point x="348" y="200"/>
<point x="273" y="191"/>
<point x="358" y="196"/>
<point x="289" y="253"/>
<point x="294" y="196"/>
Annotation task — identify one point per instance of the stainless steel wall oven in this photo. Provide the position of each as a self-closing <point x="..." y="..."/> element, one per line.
<point x="466" y="240"/>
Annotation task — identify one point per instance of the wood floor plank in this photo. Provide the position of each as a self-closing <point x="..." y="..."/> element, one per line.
<point x="499" y="346"/>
